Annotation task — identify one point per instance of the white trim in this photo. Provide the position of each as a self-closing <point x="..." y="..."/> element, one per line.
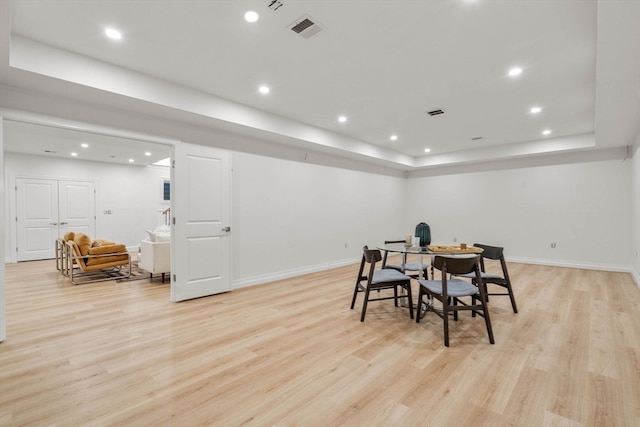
<point x="280" y="275"/>
<point x="636" y="277"/>
<point x="271" y="277"/>
<point x="58" y="122"/>
<point x="573" y="264"/>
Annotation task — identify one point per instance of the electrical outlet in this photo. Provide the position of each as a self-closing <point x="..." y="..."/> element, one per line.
<point x="455" y="239"/>
<point x="553" y="246"/>
<point x="345" y="246"/>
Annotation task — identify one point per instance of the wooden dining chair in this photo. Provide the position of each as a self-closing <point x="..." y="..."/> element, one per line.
<point x="379" y="279"/>
<point x="450" y="291"/>
<point x="494" y="253"/>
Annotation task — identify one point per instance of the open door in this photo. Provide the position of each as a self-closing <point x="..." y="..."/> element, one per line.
<point x="201" y="212"/>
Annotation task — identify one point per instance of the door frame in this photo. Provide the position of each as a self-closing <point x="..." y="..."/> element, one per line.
<point x="54" y="121"/>
<point x="7" y="114"/>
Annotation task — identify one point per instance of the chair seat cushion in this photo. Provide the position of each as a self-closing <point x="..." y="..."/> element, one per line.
<point x="394" y="266"/>
<point x="410" y="266"/>
<point x="415" y="266"/>
<point x="455" y="287"/>
<point x="388" y="275"/>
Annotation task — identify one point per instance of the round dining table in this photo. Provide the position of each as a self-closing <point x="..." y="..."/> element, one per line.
<point x="431" y="250"/>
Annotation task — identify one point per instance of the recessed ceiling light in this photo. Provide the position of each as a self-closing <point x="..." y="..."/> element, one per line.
<point x="84" y="145"/>
<point x="342" y="119"/>
<point x="131" y="160"/>
<point x="516" y="71"/>
<point x="546" y="132"/>
<point x="74" y="154"/>
<point x="535" y="110"/>
<point x="113" y="34"/>
<point x="147" y="153"/>
<point x="393" y="137"/>
<point x="264" y="90"/>
<point x="251" y="16"/>
<point x="427" y="150"/>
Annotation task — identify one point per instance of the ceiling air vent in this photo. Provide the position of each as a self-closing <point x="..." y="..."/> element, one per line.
<point x="275" y="5"/>
<point x="435" y="112"/>
<point x="306" y="27"/>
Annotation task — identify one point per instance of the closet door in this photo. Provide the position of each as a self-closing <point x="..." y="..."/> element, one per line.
<point x="46" y="209"/>
<point x="37" y="218"/>
<point x="77" y="207"/>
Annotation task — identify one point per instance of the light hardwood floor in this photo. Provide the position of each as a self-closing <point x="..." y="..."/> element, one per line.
<point x="292" y="353"/>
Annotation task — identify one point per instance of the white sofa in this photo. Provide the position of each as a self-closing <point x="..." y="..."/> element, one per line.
<point x="155" y="257"/>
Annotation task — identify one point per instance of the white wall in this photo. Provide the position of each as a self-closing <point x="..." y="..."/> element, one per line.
<point x="3" y="235"/>
<point x="584" y="208"/>
<point x="288" y="217"/>
<point x="635" y="213"/>
<point x="132" y="193"/>
<point x="292" y="217"/>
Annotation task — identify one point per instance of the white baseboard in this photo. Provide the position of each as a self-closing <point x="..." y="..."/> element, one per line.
<point x="636" y="277"/>
<point x="271" y="277"/>
<point x="573" y="264"/>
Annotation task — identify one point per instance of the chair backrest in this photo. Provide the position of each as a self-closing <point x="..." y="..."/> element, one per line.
<point x="456" y="265"/>
<point x="490" y="252"/>
<point x="369" y="256"/>
<point x="384" y="257"/>
<point x="372" y="255"/>
<point x="494" y="253"/>
<point x="394" y="241"/>
<point x="75" y="255"/>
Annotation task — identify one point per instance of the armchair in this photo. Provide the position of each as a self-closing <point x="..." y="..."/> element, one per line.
<point x="96" y="261"/>
<point x="155" y="257"/>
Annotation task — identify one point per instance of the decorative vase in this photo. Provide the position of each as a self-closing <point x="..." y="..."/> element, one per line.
<point x="423" y="231"/>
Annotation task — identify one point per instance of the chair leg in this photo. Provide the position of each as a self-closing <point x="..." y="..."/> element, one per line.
<point x="445" y="320"/>
<point x="364" y="304"/>
<point x="395" y="295"/>
<point x="408" y="288"/>
<point x="355" y="294"/>
<point x="487" y="320"/>
<point x="513" y="299"/>
<point x="419" y="305"/>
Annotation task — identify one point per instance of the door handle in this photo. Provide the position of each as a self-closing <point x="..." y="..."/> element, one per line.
<point x="53" y="223"/>
<point x="64" y="223"/>
<point x="226" y="229"/>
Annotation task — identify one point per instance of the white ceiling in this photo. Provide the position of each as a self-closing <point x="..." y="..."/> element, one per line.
<point x="57" y="141"/>
<point x="382" y="64"/>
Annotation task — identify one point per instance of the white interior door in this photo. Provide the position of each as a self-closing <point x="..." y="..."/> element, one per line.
<point x="201" y="212"/>
<point x="48" y="208"/>
<point x="77" y="207"/>
<point x="37" y="218"/>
